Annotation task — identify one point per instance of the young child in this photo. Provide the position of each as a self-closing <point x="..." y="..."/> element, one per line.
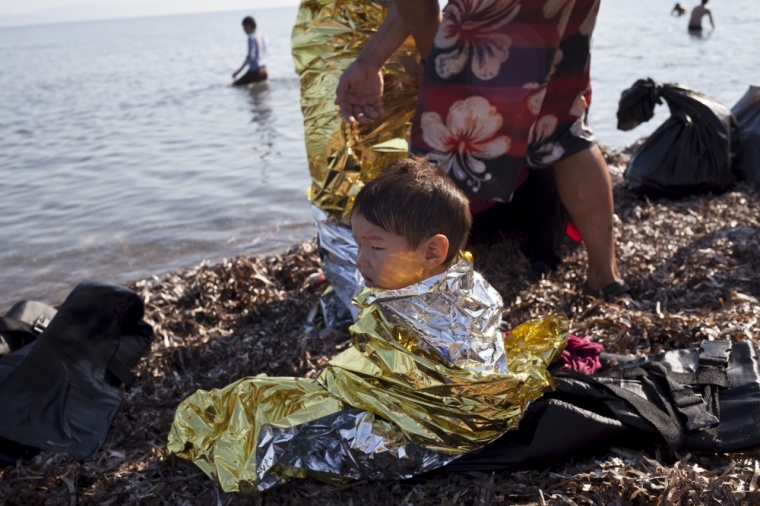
<point x="409" y="223"/>
<point x="425" y="380"/>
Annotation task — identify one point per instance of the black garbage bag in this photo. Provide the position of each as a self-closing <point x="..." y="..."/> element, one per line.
<point x="690" y="153"/>
<point x="747" y="112"/>
<point x="57" y="393"/>
<point x="705" y="399"/>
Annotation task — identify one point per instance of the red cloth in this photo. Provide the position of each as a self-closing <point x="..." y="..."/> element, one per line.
<point x="573" y="233"/>
<point x="582" y="355"/>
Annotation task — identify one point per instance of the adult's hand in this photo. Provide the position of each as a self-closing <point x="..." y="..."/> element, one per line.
<point x="360" y="92"/>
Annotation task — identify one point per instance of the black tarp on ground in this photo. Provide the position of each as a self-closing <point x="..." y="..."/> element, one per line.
<point x="690" y="153"/>
<point x="747" y="112"/>
<point x="590" y="414"/>
<point x="57" y="393"/>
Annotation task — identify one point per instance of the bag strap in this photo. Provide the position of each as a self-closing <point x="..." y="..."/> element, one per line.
<point x="695" y="395"/>
<point x="700" y="402"/>
<point x="8" y="324"/>
<point x="15" y="334"/>
<point x="13" y="325"/>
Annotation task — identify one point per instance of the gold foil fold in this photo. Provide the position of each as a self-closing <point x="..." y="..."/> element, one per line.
<point x="391" y="406"/>
<point x="218" y="430"/>
<point x="326" y="38"/>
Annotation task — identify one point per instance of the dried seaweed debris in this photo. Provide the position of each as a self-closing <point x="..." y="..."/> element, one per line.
<point x="693" y="265"/>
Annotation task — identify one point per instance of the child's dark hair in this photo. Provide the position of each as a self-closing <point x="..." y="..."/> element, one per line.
<point x="248" y="21"/>
<point x="415" y="200"/>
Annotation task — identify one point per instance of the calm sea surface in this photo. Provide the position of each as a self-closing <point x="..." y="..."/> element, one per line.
<point x="124" y="152"/>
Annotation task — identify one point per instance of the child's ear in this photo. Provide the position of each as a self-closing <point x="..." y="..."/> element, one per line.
<point x="436" y="250"/>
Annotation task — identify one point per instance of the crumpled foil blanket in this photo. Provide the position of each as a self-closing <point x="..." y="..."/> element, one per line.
<point x="326" y="38"/>
<point x="337" y="253"/>
<point x="393" y="405"/>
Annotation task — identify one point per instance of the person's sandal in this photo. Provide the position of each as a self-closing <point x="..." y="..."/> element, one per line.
<point x="618" y="289"/>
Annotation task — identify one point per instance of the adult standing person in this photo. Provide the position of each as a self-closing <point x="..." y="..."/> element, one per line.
<point x="256" y="58"/>
<point x="697" y="13"/>
<point x="506" y="87"/>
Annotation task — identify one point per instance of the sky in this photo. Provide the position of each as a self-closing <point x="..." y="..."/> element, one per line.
<point x="15" y="12"/>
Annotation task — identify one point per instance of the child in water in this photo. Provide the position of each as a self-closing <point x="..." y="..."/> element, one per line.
<point x="426" y="378"/>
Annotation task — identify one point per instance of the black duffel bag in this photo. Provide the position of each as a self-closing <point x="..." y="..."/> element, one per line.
<point x="59" y="392"/>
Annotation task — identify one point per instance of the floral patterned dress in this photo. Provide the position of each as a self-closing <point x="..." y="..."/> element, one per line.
<point x="506" y="86"/>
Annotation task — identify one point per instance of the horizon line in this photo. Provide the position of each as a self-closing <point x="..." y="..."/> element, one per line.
<point x="119" y="18"/>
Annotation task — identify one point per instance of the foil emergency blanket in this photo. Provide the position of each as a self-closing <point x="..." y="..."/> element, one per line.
<point x="350" y="444"/>
<point x="454" y="316"/>
<point x="337" y="253"/>
<point x="400" y="366"/>
<point x="391" y="406"/>
<point x="326" y="38"/>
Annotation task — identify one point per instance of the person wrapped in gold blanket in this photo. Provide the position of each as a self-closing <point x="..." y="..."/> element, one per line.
<point x="427" y="378"/>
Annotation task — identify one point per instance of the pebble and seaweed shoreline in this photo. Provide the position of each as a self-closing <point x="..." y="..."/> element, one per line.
<point x="693" y="265"/>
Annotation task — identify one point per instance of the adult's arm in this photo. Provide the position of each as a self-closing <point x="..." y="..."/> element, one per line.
<point x="712" y="23"/>
<point x="421" y="17"/>
<point x="360" y="88"/>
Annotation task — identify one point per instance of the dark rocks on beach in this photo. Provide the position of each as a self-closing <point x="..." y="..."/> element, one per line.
<point x="693" y="267"/>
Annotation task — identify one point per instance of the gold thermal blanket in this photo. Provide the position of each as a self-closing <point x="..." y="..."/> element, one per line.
<point x="328" y="35"/>
<point x="428" y="378"/>
<point x="326" y="38"/>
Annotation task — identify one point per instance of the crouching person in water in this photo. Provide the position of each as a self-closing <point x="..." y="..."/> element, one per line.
<point x="428" y="376"/>
<point x="255" y="59"/>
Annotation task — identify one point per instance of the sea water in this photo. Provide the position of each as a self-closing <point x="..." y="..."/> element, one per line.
<point x="125" y="153"/>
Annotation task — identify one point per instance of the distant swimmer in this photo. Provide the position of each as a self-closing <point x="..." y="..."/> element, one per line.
<point x="700" y="11"/>
<point x="256" y="58"/>
<point x="678" y="10"/>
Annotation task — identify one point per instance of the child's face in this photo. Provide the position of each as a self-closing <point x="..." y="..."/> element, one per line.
<point x="386" y="261"/>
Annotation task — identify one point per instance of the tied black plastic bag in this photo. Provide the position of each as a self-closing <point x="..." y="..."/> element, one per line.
<point x="690" y="153"/>
<point x="747" y="112"/>
<point x="56" y="393"/>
